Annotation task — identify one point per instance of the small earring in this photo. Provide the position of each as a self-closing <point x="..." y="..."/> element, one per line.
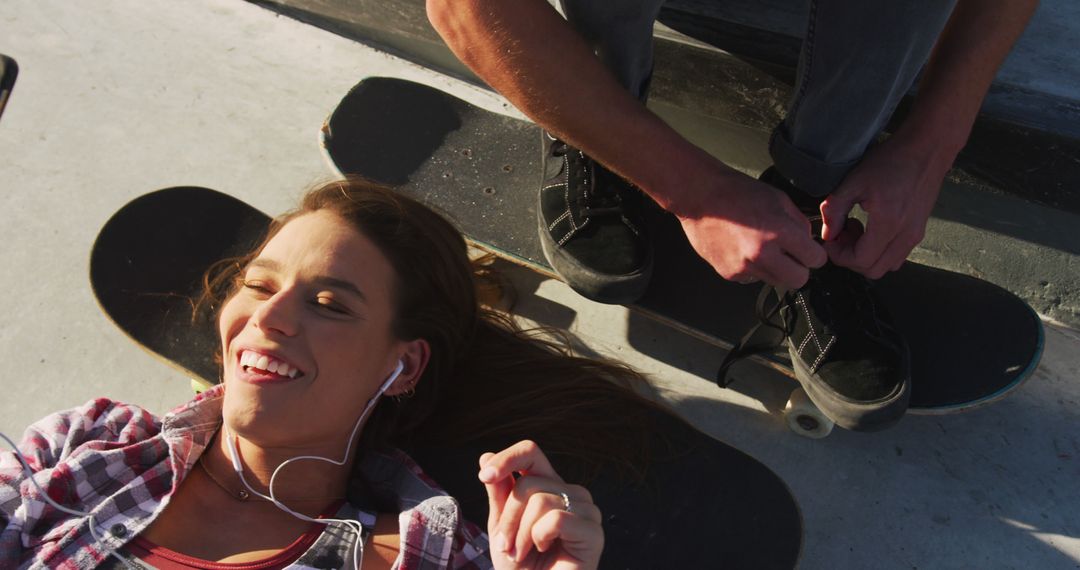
<point x="407" y="393"/>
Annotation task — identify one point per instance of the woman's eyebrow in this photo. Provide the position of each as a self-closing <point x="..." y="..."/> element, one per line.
<point x="265" y="263"/>
<point x="324" y="280"/>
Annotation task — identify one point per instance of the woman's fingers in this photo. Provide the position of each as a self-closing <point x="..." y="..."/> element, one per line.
<point x="533" y="506"/>
<point x="580" y="538"/>
<point x="497" y="492"/>
<point x="539" y="506"/>
<point x="533" y="497"/>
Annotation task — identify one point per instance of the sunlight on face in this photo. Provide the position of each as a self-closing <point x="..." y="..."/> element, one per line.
<point x="306" y="340"/>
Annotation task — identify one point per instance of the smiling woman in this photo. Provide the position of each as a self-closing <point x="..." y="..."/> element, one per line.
<point x="294" y="460"/>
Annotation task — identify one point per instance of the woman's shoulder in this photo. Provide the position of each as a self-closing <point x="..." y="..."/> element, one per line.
<point x="101" y="423"/>
<point x="108" y="422"/>
<point x="99" y="418"/>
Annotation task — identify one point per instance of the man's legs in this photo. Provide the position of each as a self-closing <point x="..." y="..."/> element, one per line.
<point x="621" y="34"/>
<point x="858" y="60"/>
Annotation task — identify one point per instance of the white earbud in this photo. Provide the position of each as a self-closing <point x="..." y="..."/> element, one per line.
<point x="391" y="379"/>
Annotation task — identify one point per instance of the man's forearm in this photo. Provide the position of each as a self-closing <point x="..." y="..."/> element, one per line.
<point x="976" y="40"/>
<point x="527" y="52"/>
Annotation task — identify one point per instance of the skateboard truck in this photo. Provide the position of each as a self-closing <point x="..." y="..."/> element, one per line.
<point x="801" y="415"/>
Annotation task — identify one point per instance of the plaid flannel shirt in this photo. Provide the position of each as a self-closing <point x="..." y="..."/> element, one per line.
<point x="122" y="464"/>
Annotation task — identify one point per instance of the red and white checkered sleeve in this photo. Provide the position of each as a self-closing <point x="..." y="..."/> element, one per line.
<point x="470" y="549"/>
<point x="51" y="439"/>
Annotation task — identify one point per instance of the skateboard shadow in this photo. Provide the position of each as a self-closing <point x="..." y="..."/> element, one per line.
<point x="691" y="355"/>
<point x="650" y="338"/>
<point x="976" y="486"/>
<point x="388" y="147"/>
<point x="527" y="303"/>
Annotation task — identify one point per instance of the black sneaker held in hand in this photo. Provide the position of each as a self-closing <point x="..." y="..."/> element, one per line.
<point x="590" y="227"/>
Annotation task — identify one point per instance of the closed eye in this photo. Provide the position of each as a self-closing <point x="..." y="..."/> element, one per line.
<point x="259" y="287"/>
<point x="331" y="306"/>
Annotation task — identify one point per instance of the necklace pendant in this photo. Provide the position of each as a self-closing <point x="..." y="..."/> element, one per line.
<point x="243" y="495"/>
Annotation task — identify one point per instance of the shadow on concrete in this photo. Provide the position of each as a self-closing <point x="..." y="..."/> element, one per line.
<point x="657" y="341"/>
<point x="980" y="488"/>
<point x="651" y="338"/>
<point x="361" y="133"/>
<point x="526" y="302"/>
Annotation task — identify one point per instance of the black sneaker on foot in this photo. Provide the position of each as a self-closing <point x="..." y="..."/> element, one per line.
<point x="853" y="364"/>
<point x="846" y="354"/>
<point x="590" y="226"/>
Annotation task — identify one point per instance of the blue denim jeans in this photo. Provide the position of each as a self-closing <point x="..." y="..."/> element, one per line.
<point x="858" y="60"/>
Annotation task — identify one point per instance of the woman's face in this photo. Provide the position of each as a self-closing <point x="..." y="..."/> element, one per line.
<point x="306" y="340"/>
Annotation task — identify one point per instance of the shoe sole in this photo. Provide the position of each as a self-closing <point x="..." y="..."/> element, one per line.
<point x="849" y="414"/>
<point x="610" y="289"/>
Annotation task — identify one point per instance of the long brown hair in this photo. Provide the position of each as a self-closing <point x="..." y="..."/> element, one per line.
<point x="486" y="375"/>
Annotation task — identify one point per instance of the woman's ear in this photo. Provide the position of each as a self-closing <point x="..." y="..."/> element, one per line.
<point x="414" y="358"/>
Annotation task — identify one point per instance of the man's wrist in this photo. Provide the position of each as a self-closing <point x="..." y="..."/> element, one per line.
<point x="934" y="141"/>
<point x="689" y="176"/>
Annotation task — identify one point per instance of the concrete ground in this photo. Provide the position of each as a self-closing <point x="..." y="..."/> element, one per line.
<point x="118" y="98"/>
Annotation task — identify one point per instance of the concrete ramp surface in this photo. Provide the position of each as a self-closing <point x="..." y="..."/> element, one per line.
<point x="120" y="97"/>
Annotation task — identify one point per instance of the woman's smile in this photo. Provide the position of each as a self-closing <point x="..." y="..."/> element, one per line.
<point x="250" y="359"/>
<point x="261" y="367"/>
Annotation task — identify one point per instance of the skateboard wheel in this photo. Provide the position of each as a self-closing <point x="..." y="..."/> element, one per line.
<point x="804" y="418"/>
<point x="198" y="385"/>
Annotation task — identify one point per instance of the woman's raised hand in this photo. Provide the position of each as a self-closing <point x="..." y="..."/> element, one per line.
<point x="538" y="521"/>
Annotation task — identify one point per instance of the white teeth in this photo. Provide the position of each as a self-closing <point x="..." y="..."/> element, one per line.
<point x="253" y="359"/>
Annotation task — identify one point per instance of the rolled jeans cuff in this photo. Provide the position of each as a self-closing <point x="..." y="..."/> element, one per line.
<point x="812" y="176"/>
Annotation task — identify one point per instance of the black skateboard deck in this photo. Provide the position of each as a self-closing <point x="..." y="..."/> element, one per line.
<point x="703" y="503"/>
<point x="972" y="342"/>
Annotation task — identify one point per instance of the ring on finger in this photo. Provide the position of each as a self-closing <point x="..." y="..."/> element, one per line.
<point x="566" y="502"/>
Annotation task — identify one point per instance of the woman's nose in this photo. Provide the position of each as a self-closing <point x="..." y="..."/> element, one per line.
<point x="279" y="314"/>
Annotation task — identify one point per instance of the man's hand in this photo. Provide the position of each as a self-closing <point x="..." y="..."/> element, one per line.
<point x="897" y="185"/>
<point x="898" y="182"/>
<point x="536" y="520"/>
<point x="750" y="231"/>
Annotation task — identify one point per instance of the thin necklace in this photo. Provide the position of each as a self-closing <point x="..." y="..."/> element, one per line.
<point x="243" y="494"/>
